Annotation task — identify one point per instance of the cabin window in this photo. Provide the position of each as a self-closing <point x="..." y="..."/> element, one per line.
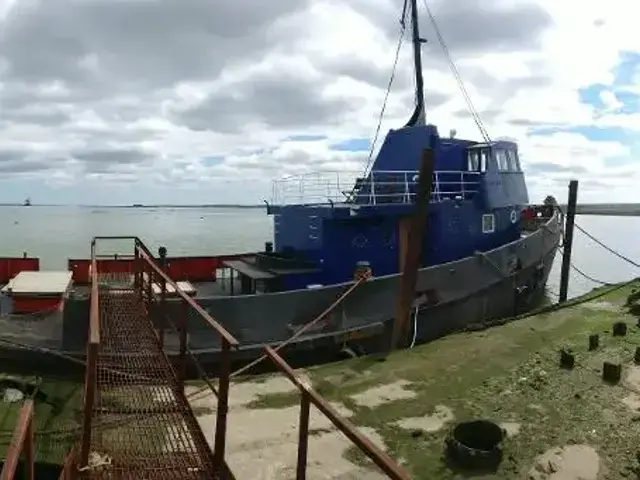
<point x="516" y="161"/>
<point x="473" y="163"/>
<point x="502" y="160"/>
<point x="512" y="158"/>
<point x="488" y="223"/>
<point x="511" y="165"/>
<point x="484" y="160"/>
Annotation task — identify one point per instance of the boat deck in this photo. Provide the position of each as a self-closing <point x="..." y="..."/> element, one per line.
<point x="220" y="288"/>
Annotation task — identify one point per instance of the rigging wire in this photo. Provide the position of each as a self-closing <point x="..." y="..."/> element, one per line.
<point x="389" y="85"/>
<point x="456" y="73"/>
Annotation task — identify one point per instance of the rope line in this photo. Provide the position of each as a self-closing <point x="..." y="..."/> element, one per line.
<point x="606" y="247"/>
<point x="387" y="93"/>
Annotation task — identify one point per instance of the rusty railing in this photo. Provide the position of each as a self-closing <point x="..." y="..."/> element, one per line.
<point x="309" y="396"/>
<point x="113" y="356"/>
<point x="21" y="442"/>
<point x="132" y="390"/>
<point x="151" y="274"/>
<point x="91" y="372"/>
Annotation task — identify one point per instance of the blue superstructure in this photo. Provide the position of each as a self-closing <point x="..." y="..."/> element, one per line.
<point x="478" y="194"/>
<point x="326" y="223"/>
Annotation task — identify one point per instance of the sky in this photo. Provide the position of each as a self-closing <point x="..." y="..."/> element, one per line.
<point x="208" y="101"/>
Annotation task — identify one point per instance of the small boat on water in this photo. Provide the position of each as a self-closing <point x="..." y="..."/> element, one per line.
<point x="477" y="262"/>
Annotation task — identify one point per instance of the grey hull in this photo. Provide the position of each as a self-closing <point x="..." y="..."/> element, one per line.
<point x="470" y="292"/>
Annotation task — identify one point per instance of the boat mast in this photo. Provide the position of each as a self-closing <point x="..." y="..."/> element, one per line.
<point x="419" y="115"/>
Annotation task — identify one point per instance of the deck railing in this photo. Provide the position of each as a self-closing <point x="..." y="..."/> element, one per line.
<point x="153" y="286"/>
<point x="379" y="187"/>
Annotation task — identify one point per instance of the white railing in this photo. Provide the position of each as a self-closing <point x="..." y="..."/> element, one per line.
<point x="377" y="188"/>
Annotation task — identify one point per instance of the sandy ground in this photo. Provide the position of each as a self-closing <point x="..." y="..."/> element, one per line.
<point x="262" y="443"/>
<point x="441" y="416"/>
<point x="382" y="394"/>
<point x="573" y="462"/>
<point x="632" y="381"/>
<point x="511" y="428"/>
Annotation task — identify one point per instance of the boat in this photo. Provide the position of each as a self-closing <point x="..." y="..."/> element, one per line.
<point x="478" y="264"/>
<point x="27" y="202"/>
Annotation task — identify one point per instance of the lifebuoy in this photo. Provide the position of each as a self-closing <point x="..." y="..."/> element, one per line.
<point x="514" y="216"/>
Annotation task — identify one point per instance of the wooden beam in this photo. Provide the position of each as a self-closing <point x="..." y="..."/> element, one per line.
<point x="413" y="230"/>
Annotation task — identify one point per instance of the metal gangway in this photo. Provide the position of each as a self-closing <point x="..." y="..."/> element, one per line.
<point x="137" y="420"/>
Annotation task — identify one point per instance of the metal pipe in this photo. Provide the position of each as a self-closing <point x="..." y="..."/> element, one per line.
<point x="92" y="362"/>
<point x="223" y="405"/>
<point x="148" y="258"/>
<point x="379" y="457"/>
<point x="182" y="326"/>
<point x="22" y="439"/>
<point x="162" y="253"/>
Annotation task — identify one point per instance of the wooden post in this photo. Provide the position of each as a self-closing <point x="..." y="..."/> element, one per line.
<point x="404" y="228"/>
<point x="568" y="240"/>
<point x="416" y="226"/>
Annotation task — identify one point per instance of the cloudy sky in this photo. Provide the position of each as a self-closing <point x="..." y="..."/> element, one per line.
<point x="203" y="101"/>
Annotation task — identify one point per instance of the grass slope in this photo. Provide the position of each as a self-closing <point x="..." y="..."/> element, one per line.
<point x="508" y="373"/>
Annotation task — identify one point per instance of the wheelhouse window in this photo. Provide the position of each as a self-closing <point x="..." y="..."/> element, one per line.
<point x="473" y="161"/>
<point x="484" y="160"/>
<point x="507" y="160"/>
<point x="502" y="160"/>
<point x="516" y="160"/>
<point x="511" y="161"/>
<point x="477" y="160"/>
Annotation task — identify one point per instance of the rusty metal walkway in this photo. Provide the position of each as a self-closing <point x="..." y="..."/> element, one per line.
<point x="161" y="434"/>
<point x="137" y="421"/>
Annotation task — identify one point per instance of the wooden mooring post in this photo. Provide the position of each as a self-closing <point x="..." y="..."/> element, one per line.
<point x="570" y="216"/>
<point x="411" y="236"/>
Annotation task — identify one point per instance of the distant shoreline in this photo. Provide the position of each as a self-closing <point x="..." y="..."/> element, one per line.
<point x="605" y="209"/>
<point x="134" y="206"/>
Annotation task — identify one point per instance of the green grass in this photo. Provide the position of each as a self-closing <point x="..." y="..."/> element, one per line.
<point x="507" y="374"/>
<point x="61" y="411"/>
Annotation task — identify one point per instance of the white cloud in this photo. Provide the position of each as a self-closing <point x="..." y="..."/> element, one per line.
<point x="138" y="93"/>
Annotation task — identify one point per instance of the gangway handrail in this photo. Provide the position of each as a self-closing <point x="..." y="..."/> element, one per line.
<point x="150" y="272"/>
<point x="146" y="255"/>
<point x="21" y="441"/>
<point x="309" y="396"/>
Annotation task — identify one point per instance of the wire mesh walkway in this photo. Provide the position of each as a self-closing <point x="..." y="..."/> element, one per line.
<point x="161" y="437"/>
<point x="137" y="421"/>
